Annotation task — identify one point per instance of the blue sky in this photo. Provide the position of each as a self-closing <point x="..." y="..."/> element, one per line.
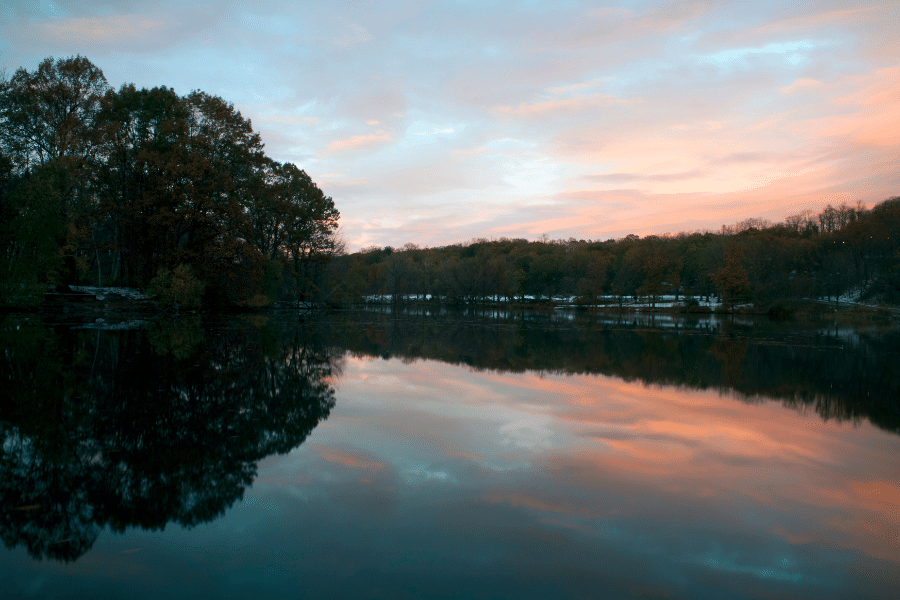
<point x="438" y="122"/>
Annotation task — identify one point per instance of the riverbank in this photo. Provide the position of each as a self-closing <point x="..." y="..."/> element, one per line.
<point x="778" y="310"/>
<point x="101" y="302"/>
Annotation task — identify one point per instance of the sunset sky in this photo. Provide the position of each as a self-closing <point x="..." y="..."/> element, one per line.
<point x="438" y="122"/>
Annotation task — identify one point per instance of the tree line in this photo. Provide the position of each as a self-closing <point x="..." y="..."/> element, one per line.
<point x="148" y="188"/>
<point x="848" y="249"/>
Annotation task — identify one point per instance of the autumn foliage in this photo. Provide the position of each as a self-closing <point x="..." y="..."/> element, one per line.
<point x="839" y="252"/>
<point x="115" y="187"/>
<point x="731" y="280"/>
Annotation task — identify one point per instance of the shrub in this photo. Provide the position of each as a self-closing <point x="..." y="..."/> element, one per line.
<point x="692" y="306"/>
<point x="780" y="310"/>
<point x="178" y="288"/>
<point x="698" y="310"/>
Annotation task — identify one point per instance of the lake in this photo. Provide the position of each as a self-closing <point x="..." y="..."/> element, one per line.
<point x="442" y="454"/>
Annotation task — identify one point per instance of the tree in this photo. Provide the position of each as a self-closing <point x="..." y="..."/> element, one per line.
<point x="731" y="280"/>
<point x="293" y="221"/>
<point x="658" y="268"/>
<point x="593" y="274"/>
<point x="48" y="141"/>
<point x="131" y="182"/>
<point x="142" y="218"/>
<point x="48" y="114"/>
<point x="33" y="233"/>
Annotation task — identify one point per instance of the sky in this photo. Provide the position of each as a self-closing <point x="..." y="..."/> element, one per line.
<point x="440" y="122"/>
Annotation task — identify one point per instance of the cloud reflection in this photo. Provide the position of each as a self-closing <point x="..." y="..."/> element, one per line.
<point x="430" y="477"/>
<point x="760" y="489"/>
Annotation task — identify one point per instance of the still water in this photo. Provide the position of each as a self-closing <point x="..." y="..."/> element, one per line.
<point x="493" y="455"/>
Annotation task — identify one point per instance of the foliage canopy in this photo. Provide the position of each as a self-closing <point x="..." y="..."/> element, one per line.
<point x="118" y="186"/>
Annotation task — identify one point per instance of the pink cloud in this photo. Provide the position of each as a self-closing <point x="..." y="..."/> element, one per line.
<point x="802" y="84"/>
<point x="359" y="141"/>
<point x="577" y="103"/>
<point x="110" y="29"/>
<point x="876" y="118"/>
<point x="352" y="459"/>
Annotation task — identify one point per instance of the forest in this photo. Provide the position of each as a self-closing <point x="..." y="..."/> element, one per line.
<point x="847" y="251"/>
<point x="148" y="189"/>
<point x="174" y="195"/>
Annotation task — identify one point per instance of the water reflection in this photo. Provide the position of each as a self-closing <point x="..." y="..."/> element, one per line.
<point x="467" y="483"/>
<point x="147" y="426"/>
<point x="467" y="455"/>
<point x="527" y="456"/>
<point x="841" y="373"/>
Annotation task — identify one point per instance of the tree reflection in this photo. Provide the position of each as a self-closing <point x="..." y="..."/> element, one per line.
<point x="146" y="426"/>
<point x="167" y="423"/>
<point x="844" y="374"/>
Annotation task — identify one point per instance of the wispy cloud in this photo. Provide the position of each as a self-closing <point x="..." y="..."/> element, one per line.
<point x="577" y="103"/>
<point x="353" y="36"/>
<point x="290" y="119"/>
<point x="359" y="141"/>
<point x="114" y="28"/>
<point x="801" y="85"/>
<point x="577" y="87"/>
<point x="638" y="177"/>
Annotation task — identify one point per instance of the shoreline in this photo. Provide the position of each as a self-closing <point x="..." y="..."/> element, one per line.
<point x="87" y="301"/>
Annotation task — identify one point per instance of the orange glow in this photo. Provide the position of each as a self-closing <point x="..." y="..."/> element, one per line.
<point x="601" y="446"/>
<point x="657" y="452"/>
<point x="882" y="492"/>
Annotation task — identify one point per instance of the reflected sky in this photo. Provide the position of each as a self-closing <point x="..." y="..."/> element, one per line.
<point x="433" y="480"/>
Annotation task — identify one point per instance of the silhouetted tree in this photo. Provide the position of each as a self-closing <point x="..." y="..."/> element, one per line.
<point x="731" y="280"/>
